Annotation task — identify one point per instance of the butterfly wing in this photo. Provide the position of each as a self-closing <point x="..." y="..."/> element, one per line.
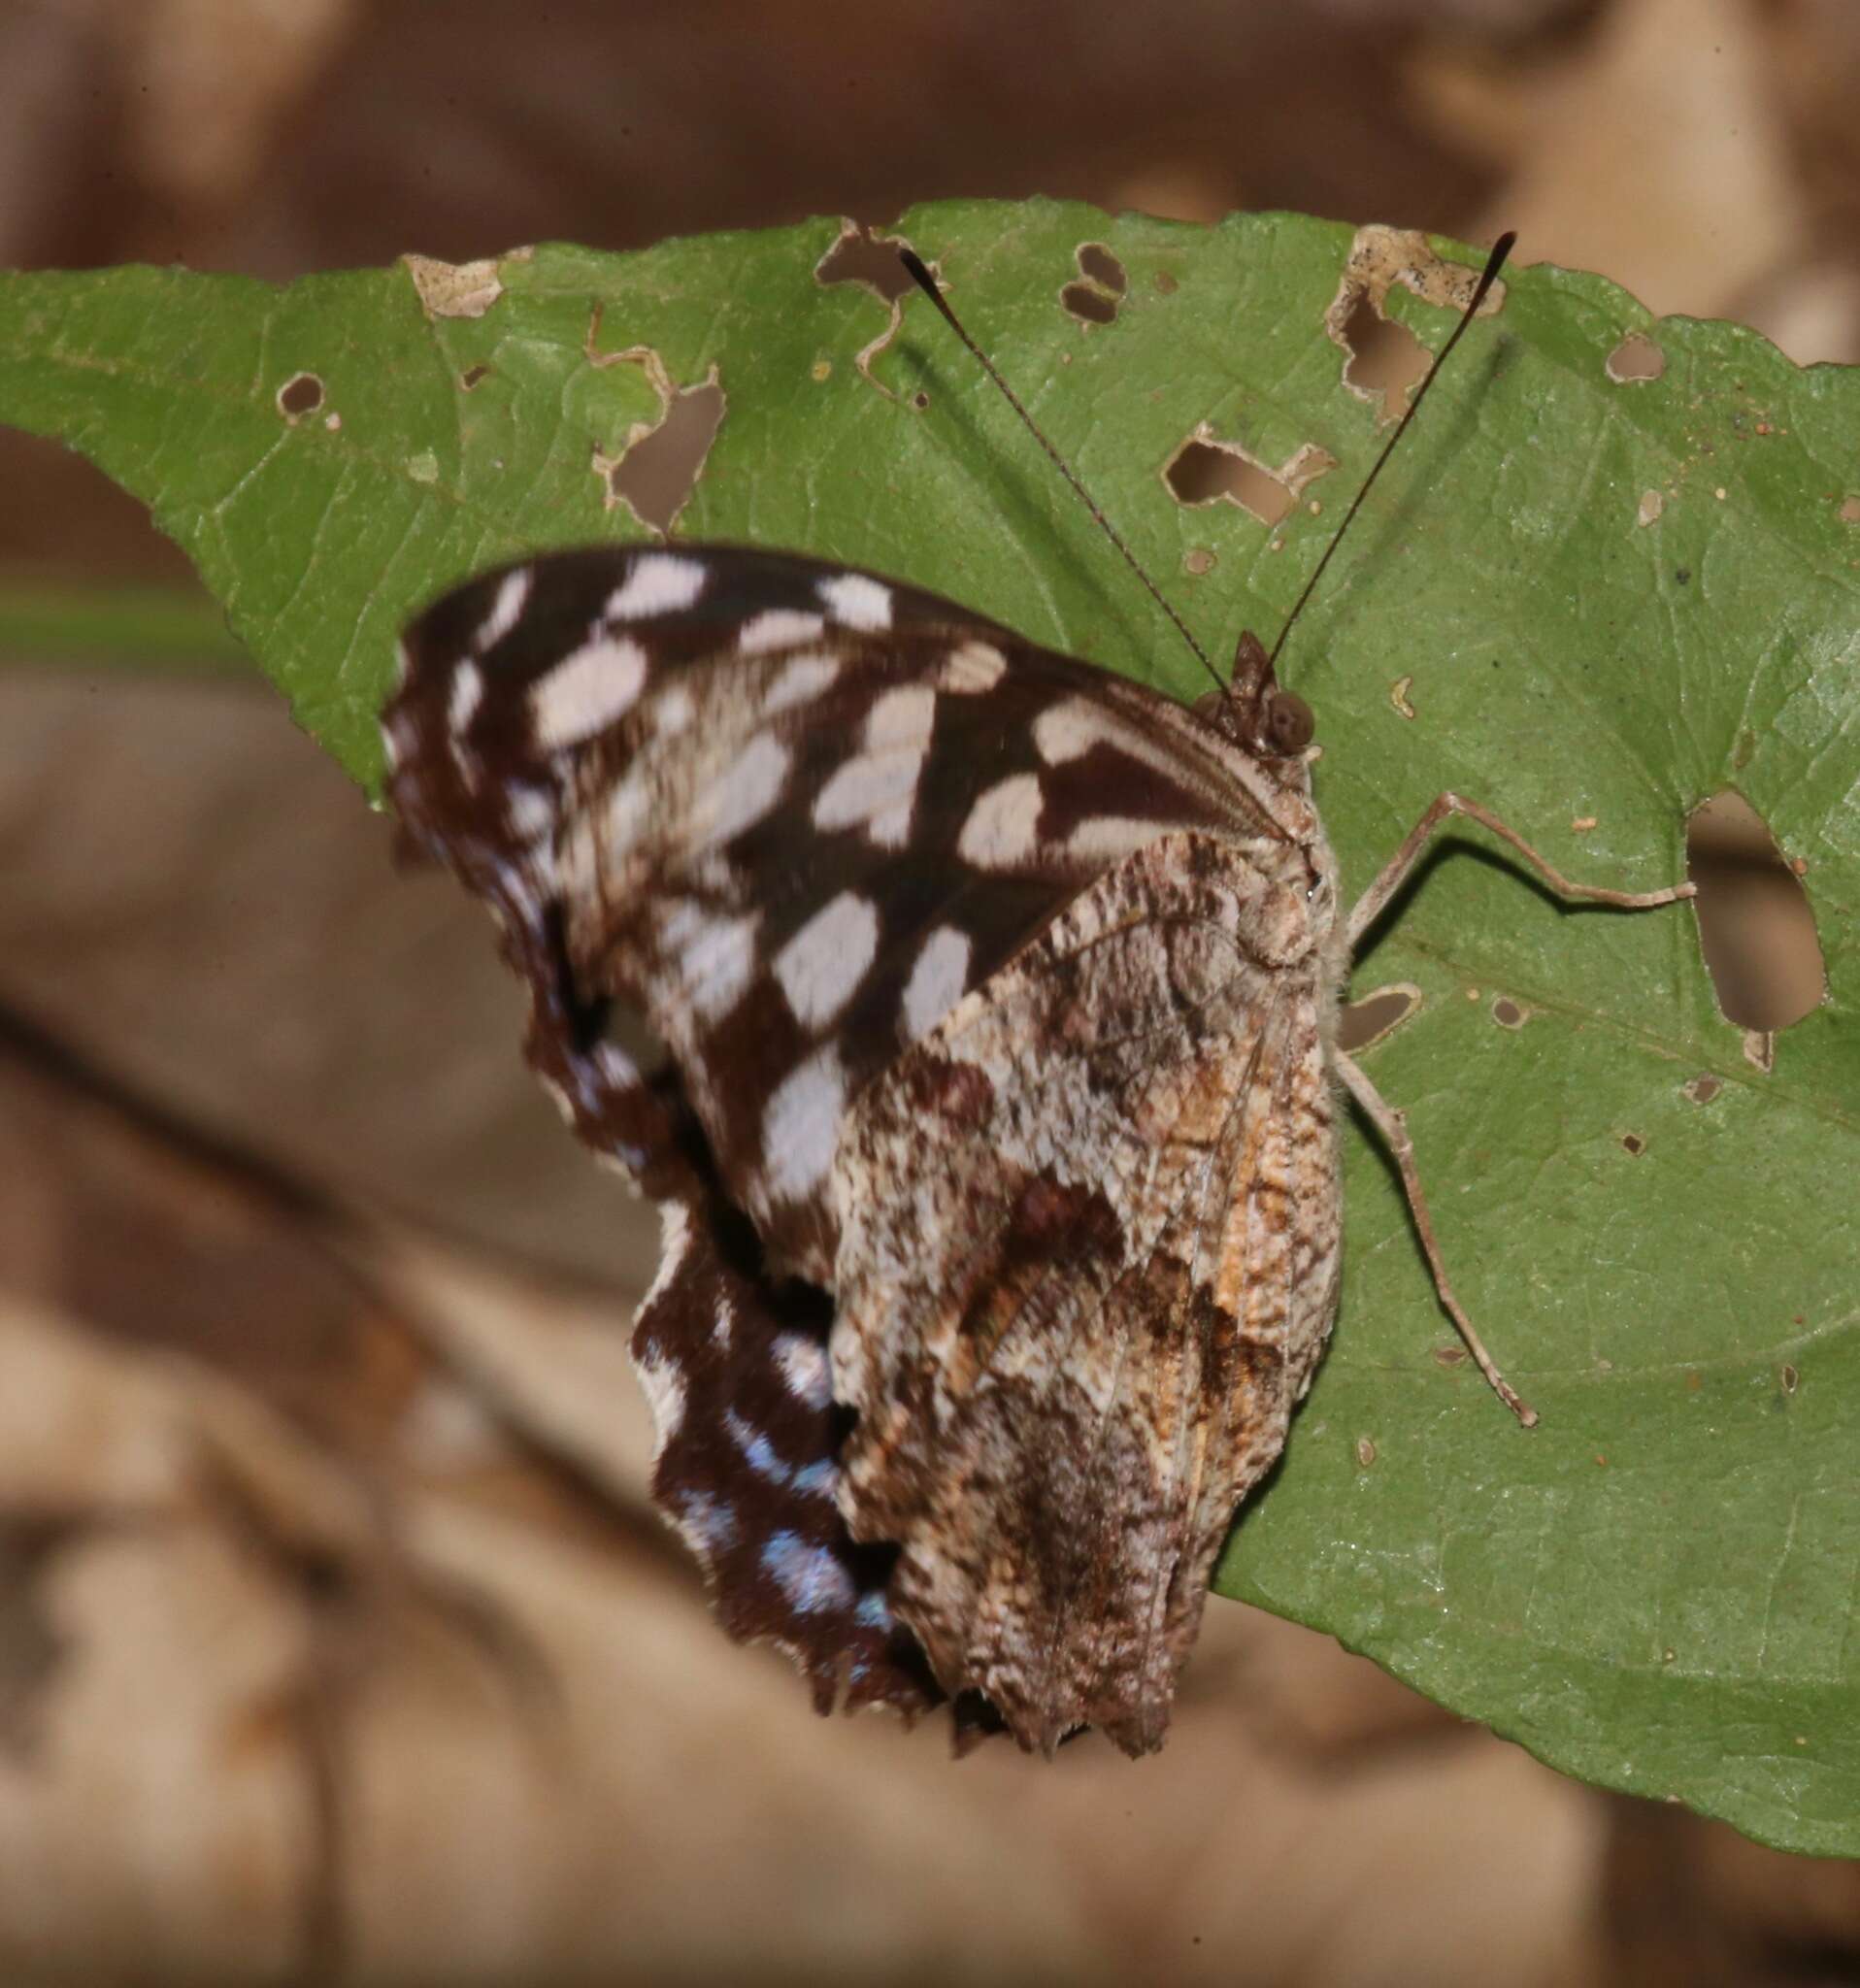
<point x="790" y="815"/>
<point x="1076" y="1342"/>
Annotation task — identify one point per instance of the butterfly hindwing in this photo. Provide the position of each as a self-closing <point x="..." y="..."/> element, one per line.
<point x="1072" y="1344"/>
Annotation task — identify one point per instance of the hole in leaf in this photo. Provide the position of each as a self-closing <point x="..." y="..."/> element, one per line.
<point x="862" y="255"/>
<point x="657" y="474"/>
<point x="1637" y="357"/>
<point x="1094" y="299"/>
<point x="1761" y="947"/>
<point x="1384" y="357"/>
<point x="301" y="394"/>
<point x="1206" y="471"/>
<point x="1088" y="305"/>
<point x="1508" y="1013"/>
<point x="1377" y="1014"/>
<point x="1632" y="1143"/>
<point x="1098" y="265"/>
<point x="1703" y="1088"/>
<point x="471" y="377"/>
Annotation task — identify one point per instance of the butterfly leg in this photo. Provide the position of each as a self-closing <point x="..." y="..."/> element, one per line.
<point x="1392" y="1125"/>
<point x="1370" y="905"/>
<point x="1390" y="1122"/>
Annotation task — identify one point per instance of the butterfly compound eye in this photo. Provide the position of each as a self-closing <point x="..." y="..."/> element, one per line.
<point x="1290" y="723"/>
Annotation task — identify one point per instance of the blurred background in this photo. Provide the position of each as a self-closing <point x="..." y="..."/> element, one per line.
<point x="337" y="1638"/>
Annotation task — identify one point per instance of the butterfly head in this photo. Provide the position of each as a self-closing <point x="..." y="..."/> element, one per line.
<point x="1255" y="711"/>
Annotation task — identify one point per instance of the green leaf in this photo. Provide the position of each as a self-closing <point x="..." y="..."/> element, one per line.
<point x="1656" y="1588"/>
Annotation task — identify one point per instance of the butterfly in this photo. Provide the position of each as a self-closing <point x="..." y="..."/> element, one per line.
<point x="993" y="1124"/>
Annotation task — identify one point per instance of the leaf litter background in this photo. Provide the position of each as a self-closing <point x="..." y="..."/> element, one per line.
<point x="1465" y="1539"/>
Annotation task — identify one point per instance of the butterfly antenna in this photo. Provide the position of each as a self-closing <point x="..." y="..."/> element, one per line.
<point x="928" y="284"/>
<point x="1494" y="262"/>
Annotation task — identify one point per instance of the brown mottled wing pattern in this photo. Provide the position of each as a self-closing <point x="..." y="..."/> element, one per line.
<point x="1076" y="1340"/>
<point x="801" y="819"/>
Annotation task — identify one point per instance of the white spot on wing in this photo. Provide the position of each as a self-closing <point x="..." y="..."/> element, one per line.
<point x="901" y="718"/>
<point x="875" y="792"/>
<point x="858" y="600"/>
<point x="1071" y="728"/>
<point x="821" y="966"/>
<point x="1107" y="838"/>
<point x="468" y="691"/>
<point x="663" y="1385"/>
<point x="1000" y="828"/>
<point x="801" y="1125"/>
<point x="879" y="786"/>
<point x="675" y="1245"/>
<point x="890" y="827"/>
<point x="972" y="669"/>
<point x="662" y="1382"/>
<point x="937" y="981"/>
<point x="721" y="965"/>
<point x="529" y="810"/>
<point x="673" y="711"/>
<point x="627" y="814"/>
<point x="398" y="739"/>
<point x="804" y="1368"/>
<point x="512" y="594"/>
<point x="800" y="681"/>
<point x="778" y="629"/>
<point x="659" y="584"/>
<point x="586" y="691"/>
<point x="745" y="793"/>
<point x="615" y="1069"/>
<point x="712" y="956"/>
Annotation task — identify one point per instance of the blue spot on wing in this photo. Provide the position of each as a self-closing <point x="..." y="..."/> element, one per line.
<point x="709" y="1519"/>
<point x="812" y="1480"/>
<point x="757" y="1451"/>
<point x="811" y="1577"/>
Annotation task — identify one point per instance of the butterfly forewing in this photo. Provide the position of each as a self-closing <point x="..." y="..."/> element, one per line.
<point x="788" y="812"/>
<point x="817" y="829"/>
